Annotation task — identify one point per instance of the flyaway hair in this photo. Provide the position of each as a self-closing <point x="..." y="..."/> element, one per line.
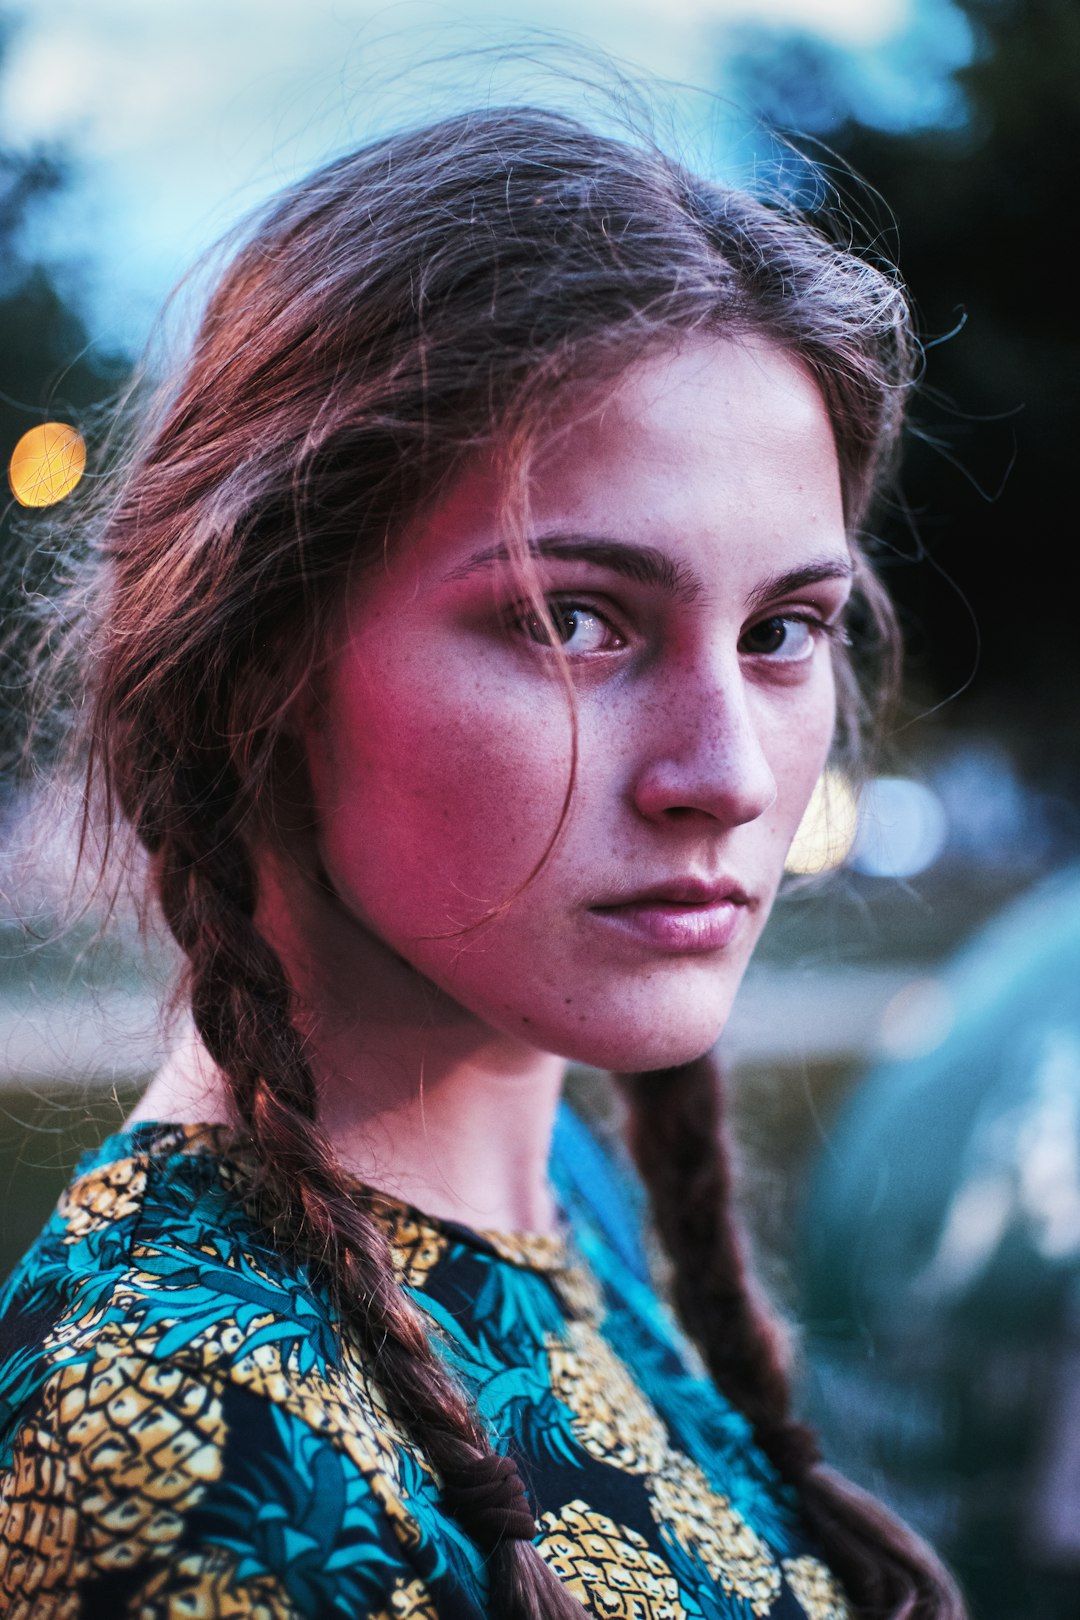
<point x="411" y="303"/>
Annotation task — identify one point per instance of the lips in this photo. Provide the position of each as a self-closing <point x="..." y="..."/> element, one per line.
<point x="689" y="891"/>
<point x="682" y="915"/>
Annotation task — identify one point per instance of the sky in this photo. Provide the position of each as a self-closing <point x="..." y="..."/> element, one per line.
<point x="177" y="115"/>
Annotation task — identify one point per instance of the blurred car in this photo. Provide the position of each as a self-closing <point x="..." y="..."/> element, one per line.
<point x="939" y="1269"/>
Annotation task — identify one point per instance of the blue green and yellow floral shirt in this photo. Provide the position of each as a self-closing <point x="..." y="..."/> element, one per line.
<point x="183" y="1433"/>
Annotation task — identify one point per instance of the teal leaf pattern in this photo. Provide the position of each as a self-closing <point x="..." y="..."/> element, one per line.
<point x="176" y="1404"/>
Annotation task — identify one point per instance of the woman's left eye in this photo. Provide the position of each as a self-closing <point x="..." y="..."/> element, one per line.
<point x="785" y="638"/>
<point x="578" y="628"/>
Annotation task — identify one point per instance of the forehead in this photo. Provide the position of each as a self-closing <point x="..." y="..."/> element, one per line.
<point x="721" y="446"/>
<point x="725" y="413"/>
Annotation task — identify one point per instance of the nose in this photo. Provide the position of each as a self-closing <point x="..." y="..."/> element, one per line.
<point x="701" y="752"/>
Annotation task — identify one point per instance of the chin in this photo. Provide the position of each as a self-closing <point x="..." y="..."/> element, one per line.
<point x="632" y="1047"/>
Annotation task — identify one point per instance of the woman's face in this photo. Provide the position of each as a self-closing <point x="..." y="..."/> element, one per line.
<point x="688" y="537"/>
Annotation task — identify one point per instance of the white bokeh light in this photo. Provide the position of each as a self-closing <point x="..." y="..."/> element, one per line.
<point x="902" y="828"/>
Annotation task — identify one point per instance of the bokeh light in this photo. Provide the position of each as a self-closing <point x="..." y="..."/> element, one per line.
<point x="46" y="464"/>
<point x="902" y="828"/>
<point x="917" y="1019"/>
<point x="827" y="830"/>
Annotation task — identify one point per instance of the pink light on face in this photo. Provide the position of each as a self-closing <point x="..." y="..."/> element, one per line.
<point x="689" y="539"/>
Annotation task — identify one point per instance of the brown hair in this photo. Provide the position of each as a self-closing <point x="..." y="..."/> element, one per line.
<point x="385" y="318"/>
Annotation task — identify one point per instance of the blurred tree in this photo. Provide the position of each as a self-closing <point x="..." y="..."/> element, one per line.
<point x="981" y="206"/>
<point x="47" y="372"/>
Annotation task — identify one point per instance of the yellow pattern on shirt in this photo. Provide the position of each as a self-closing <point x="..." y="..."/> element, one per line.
<point x="410" y="1600"/>
<point x="816" y="1589"/>
<point x="118" y="1451"/>
<point x="609" y="1568"/>
<point x="614" y="1421"/>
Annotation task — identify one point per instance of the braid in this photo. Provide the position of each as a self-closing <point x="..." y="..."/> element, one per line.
<point x="677" y="1140"/>
<point x="241" y="1004"/>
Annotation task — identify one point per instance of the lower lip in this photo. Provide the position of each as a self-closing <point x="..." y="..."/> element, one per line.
<point x="668" y="926"/>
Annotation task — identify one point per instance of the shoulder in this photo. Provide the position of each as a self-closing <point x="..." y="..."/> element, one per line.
<point x="180" y="1426"/>
<point x="148" y="1243"/>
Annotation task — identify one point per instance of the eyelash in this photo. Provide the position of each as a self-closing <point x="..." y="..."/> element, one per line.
<point x="831" y="631"/>
<point x="522" y="617"/>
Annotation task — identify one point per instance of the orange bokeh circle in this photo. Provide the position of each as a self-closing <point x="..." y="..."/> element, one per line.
<point x="46" y="464"/>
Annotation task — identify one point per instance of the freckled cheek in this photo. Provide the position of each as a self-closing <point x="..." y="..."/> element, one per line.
<point x="459" y="780"/>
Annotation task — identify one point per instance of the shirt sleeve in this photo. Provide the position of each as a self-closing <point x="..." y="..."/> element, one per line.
<point x="147" y="1488"/>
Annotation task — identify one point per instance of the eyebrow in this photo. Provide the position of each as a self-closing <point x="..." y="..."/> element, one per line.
<point x="815" y="572"/>
<point x="646" y="565"/>
<point x="643" y="564"/>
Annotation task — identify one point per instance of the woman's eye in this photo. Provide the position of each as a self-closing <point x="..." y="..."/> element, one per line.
<point x="578" y="628"/>
<point x="783" y="638"/>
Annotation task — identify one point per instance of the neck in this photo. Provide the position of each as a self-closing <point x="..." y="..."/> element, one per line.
<point x="466" y="1138"/>
<point x="417" y="1097"/>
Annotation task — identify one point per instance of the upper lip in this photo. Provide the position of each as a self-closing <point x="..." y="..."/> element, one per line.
<point x="683" y="891"/>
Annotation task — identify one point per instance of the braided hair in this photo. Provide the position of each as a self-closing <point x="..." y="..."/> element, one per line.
<point x="403" y="307"/>
<point x="677" y="1139"/>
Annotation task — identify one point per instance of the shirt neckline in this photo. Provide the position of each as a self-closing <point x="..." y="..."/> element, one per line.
<point x="542" y="1252"/>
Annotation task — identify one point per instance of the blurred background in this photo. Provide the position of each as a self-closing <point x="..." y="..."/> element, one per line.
<point x="905" y="1057"/>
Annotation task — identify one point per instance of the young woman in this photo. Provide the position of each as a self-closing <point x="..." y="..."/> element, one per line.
<point x="466" y="635"/>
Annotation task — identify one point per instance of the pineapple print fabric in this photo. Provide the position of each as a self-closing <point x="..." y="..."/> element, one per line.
<point x="183" y="1434"/>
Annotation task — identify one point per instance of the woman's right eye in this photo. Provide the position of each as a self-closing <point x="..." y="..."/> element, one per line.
<point x="578" y="628"/>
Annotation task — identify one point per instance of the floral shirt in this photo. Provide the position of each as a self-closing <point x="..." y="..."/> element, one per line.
<point x="182" y="1432"/>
